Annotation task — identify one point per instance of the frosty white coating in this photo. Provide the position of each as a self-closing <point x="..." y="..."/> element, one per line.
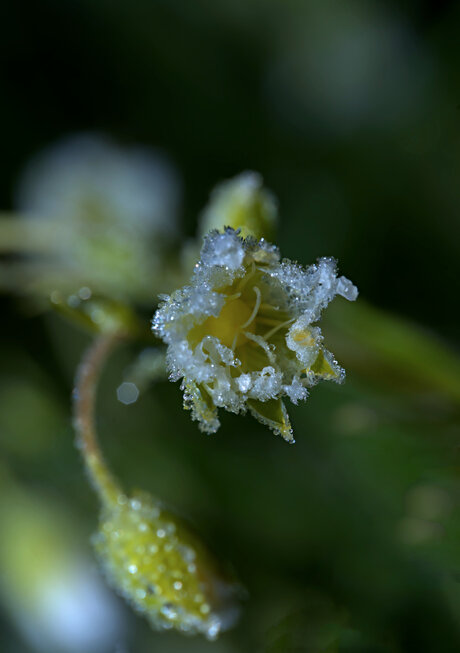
<point x="241" y="335"/>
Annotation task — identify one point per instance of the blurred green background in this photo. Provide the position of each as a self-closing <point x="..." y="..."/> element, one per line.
<point x="350" y="539"/>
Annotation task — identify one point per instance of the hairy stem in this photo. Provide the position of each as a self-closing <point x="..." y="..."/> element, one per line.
<point x="88" y="376"/>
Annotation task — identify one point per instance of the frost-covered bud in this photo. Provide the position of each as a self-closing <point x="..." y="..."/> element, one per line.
<point x="243" y="334"/>
<point x="162" y="570"/>
<point x="242" y="203"/>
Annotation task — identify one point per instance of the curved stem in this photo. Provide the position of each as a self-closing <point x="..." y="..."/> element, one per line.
<point x="88" y="376"/>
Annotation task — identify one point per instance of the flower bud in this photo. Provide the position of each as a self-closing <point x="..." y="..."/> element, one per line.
<point x="162" y="569"/>
<point x="242" y="203"/>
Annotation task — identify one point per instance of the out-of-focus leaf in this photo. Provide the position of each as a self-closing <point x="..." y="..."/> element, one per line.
<point x="387" y="348"/>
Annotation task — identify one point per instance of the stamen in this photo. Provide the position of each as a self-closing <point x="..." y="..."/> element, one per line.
<point x="255" y="310"/>
<point x="236" y="295"/>
<point x="259" y="340"/>
<point x="277" y="328"/>
<point x="252" y="317"/>
<point x="269" y="307"/>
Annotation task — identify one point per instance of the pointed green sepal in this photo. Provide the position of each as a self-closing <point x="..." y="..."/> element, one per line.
<point x="201" y="404"/>
<point x="326" y="368"/>
<point x="273" y="414"/>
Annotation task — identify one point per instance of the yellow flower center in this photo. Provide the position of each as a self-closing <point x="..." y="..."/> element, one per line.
<point x="230" y="324"/>
<point x="245" y="319"/>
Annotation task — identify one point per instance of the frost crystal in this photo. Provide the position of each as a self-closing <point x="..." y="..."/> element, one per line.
<point x="242" y="334"/>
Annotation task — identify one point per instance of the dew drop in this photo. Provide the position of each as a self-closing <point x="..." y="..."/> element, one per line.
<point x="84" y="293"/>
<point x="168" y="610"/>
<point x="127" y="393"/>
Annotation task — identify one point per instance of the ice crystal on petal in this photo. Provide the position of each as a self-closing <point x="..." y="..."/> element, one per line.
<point x="243" y="334"/>
<point x="223" y="251"/>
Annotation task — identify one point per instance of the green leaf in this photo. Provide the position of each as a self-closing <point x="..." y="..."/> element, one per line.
<point x="384" y="347"/>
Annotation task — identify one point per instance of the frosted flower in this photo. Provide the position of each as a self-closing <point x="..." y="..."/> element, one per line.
<point x="95" y="215"/>
<point x="243" y="334"/>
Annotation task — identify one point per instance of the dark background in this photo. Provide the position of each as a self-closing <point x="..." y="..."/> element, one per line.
<point x="351" y="112"/>
<point x="364" y="158"/>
